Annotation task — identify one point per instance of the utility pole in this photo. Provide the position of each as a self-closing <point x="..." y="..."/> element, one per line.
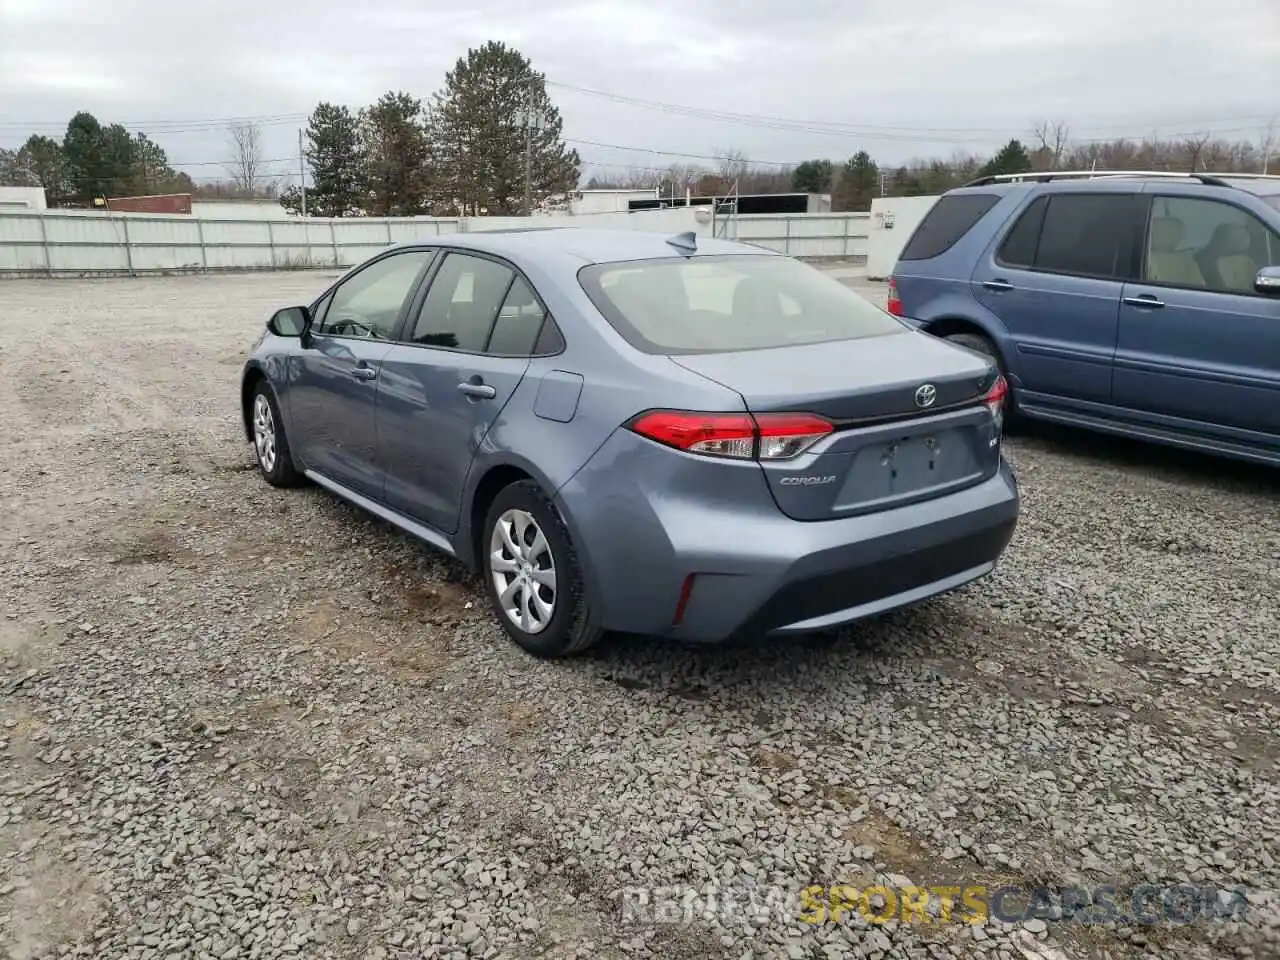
<point x="528" y="151"/>
<point x="302" y="173"/>
<point x="532" y="120"/>
<point x="1267" y="145"/>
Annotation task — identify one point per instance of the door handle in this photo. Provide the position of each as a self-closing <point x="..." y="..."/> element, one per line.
<point x="479" y="391"/>
<point x="997" y="284"/>
<point x="363" y="373"/>
<point x="1146" y="300"/>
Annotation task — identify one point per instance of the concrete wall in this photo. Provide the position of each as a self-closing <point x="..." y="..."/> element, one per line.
<point x="71" y="243"/>
<point x="892" y="221"/>
<point x="22" y="198"/>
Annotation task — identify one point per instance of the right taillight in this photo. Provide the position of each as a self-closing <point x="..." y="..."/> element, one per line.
<point x="738" y="436"/>
<point x="893" y="304"/>
<point x="996" y="397"/>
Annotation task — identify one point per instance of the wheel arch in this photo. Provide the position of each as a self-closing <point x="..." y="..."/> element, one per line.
<point x="249" y="380"/>
<point x="493" y="477"/>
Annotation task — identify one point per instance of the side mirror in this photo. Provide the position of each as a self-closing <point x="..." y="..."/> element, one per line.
<point x="1267" y="281"/>
<point x="290" y="322"/>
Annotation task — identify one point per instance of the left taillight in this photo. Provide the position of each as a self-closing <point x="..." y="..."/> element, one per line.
<point x="997" y="396"/>
<point x="738" y="436"/>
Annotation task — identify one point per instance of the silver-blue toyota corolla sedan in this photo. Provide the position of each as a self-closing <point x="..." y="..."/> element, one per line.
<point x="627" y="431"/>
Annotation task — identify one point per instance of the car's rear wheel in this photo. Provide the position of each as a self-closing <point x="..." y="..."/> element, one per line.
<point x="269" y="442"/>
<point x="533" y="575"/>
<point x="982" y="344"/>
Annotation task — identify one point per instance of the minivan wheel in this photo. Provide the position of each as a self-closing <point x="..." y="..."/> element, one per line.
<point x="269" y="442"/>
<point x="981" y="344"/>
<point x="533" y="576"/>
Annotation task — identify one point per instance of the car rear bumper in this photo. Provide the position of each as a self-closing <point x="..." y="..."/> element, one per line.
<point x="669" y="560"/>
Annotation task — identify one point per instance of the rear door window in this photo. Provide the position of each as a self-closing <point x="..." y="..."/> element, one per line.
<point x="1020" y="243"/>
<point x="463" y="303"/>
<point x="1089" y="235"/>
<point x="725" y="304"/>
<point x="946" y="222"/>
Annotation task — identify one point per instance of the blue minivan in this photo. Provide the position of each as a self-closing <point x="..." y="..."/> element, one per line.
<point x="1142" y="304"/>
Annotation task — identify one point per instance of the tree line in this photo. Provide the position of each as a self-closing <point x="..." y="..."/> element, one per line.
<point x="489" y="141"/>
<point x="853" y="183"/>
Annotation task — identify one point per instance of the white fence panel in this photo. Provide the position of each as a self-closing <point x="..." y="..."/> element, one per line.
<point x="67" y="242"/>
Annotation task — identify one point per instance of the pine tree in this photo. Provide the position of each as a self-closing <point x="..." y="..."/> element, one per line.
<point x="812" y="176"/>
<point x="477" y="125"/>
<point x="1012" y="158"/>
<point x="858" y="183"/>
<point x="396" y="156"/>
<point x="337" y="165"/>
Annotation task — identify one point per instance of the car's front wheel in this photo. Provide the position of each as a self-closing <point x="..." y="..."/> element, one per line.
<point x="533" y="576"/>
<point x="270" y="444"/>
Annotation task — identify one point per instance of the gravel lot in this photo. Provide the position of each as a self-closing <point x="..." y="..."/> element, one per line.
<point x="239" y="722"/>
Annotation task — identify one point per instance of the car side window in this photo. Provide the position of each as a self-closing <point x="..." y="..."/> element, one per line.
<point x="460" y="308"/>
<point x="520" y="319"/>
<point x="369" y="303"/>
<point x="1087" y="235"/>
<point x="1020" y="243"/>
<point x="1207" y="245"/>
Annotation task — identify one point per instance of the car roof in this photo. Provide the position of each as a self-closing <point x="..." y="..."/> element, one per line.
<point x="582" y="245"/>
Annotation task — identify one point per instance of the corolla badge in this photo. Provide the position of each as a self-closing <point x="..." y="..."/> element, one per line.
<point x="926" y="394"/>
<point x="810" y="481"/>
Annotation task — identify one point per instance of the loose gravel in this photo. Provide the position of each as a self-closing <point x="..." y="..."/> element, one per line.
<point x="246" y="723"/>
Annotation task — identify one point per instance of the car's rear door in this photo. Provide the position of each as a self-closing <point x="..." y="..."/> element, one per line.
<point x="460" y="356"/>
<point x="1053" y="278"/>
<point x="1198" y="347"/>
<point x="333" y="378"/>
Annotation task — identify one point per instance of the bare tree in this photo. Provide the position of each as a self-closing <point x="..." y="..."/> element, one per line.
<point x="1194" y="148"/>
<point x="733" y="167"/>
<point x="246" y="156"/>
<point x="1053" y="141"/>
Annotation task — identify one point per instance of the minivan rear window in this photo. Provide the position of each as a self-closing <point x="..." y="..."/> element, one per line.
<point x="946" y="222"/>
<point x="721" y="304"/>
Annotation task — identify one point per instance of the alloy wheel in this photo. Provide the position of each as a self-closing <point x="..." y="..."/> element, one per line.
<point x="264" y="432"/>
<point x="523" y="570"/>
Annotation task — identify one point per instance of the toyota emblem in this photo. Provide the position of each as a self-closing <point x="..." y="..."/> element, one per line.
<point x="926" y="394"/>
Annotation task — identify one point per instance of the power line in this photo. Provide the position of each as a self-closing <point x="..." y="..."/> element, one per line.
<point x="844" y="128"/>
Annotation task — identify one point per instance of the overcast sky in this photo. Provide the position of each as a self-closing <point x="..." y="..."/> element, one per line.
<point x="898" y="78"/>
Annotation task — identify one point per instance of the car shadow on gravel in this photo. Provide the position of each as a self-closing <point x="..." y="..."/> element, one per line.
<point x="1166" y="463"/>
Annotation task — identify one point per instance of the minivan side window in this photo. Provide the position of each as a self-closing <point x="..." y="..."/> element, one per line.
<point x="946" y="222"/>
<point x="1206" y="245"/>
<point x="1087" y="235"/>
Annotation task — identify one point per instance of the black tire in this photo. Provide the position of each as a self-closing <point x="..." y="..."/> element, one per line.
<point x="282" y="472"/>
<point x="568" y="629"/>
<point x="982" y="344"/>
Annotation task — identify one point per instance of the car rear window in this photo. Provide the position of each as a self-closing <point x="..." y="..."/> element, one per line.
<point x="946" y="222"/>
<point x="724" y="304"/>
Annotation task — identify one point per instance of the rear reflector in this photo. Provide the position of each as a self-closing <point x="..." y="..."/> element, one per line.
<point x="741" y="436"/>
<point x="893" y="304"/>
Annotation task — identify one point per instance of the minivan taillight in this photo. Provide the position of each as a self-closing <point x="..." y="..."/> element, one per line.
<point x="740" y="436"/>
<point x="893" y="304"/>
<point x="996" y="396"/>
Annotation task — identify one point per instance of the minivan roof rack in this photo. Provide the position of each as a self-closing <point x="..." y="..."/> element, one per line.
<point x="1212" y="179"/>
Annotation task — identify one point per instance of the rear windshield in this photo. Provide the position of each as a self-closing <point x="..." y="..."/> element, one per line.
<point x="946" y="222"/>
<point x="723" y="304"/>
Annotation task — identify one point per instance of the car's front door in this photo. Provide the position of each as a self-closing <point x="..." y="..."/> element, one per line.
<point x="1199" y="348"/>
<point x="333" y="386"/>
<point x="1054" y="280"/>
<point x="459" y="360"/>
